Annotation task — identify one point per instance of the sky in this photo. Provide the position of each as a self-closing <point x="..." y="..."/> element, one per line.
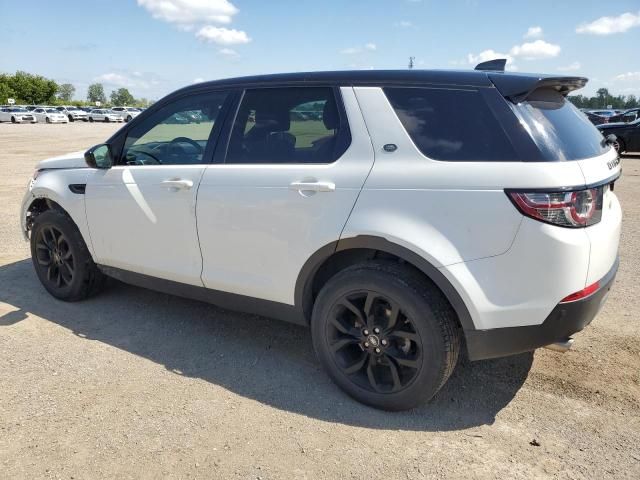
<point x="153" y="47"/>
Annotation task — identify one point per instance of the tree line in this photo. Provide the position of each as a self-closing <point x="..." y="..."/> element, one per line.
<point x="29" y="89"/>
<point x="602" y="99"/>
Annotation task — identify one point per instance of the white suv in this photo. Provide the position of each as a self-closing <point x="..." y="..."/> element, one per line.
<point x="127" y="113"/>
<point x="401" y="214"/>
<point x="73" y="113"/>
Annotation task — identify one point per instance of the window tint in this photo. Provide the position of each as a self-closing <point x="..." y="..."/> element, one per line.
<point x="287" y="125"/>
<point x="453" y="125"/>
<point x="177" y="134"/>
<point x="559" y="129"/>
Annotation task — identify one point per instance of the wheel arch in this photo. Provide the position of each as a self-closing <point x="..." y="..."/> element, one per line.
<point x="330" y="259"/>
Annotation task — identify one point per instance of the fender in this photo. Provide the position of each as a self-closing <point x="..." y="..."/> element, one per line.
<point x="310" y="268"/>
<point x="63" y="189"/>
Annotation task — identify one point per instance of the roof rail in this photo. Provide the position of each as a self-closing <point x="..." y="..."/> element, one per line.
<point x="496" y="65"/>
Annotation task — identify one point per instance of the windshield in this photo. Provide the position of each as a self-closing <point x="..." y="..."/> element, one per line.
<point x="19" y="110"/>
<point x="52" y="110"/>
<point x="559" y="129"/>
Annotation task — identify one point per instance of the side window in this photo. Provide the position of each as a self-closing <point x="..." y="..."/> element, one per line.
<point x="176" y="134"/>
<point x="288" y="125"/>
<point x="451" y="124"/>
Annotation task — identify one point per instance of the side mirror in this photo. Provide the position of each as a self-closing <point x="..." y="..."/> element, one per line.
<point x="99" y="157"/>
<point x="610" y="139"/>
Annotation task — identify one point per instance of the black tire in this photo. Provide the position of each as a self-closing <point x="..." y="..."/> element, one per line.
<point x="409" y="358"/>
<point x="91" y="119"/>
<point x="619" y="146"/>
<point x="61" y="258"/>
<point x="71" y="118"/>
<point x="106" y="119"/>
<point x="128" y="119"/>
<point x="47" y="120"/>
<point x="13" y="119"/>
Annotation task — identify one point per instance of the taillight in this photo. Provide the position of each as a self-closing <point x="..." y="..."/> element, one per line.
<point x="573" y="209"/>
<point x="585" y="292"/>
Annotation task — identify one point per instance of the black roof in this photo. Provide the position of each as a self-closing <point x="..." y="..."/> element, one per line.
<point x="510" y="84"/>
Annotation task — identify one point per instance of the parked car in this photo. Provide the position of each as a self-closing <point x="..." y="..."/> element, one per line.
<point x="16" y="115"/>
<point x="49" y="115"/>
<point x="627" y="135"/>
<point x="627" y="116"/>
<point x="73" y="113"/>
<point x="595" y="119"/>
<point x="396" y="228"/>
<point x="103" y="115"/>
<point x="127" y="113"/>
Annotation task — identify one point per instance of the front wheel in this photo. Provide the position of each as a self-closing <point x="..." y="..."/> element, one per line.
<point x="47" y="119"/>
<point x="91" y="119"/>
<point x="70" y="118"/>
<point x="385" y="335"/>
<point x="106" y="119"/>
<point x="13" y="119"/>
<point x="619" y="146"/>
<point x="61" y="258"/>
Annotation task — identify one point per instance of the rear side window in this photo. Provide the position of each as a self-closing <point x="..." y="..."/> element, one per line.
<point x="559" y="129"/>
<point x="451" y="124"/>
<point x="288" y="125"/>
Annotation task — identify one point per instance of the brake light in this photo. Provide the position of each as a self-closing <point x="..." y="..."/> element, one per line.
<point x="573" y="209"/>
<point x="585" y="292"/>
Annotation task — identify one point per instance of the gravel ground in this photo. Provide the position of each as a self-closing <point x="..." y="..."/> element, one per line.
<point x="136" y="384"/>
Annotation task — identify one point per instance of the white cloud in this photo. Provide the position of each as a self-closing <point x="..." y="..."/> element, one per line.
<point x="628" y="77"/>
<point x="610" y="25"/>
<point x="133" y="80"/>
<point x="222" y="35"/>
<point x="533" y="32"/>
<point x="198" y="80"/>
<point x="229" y="52"/>
<point x="403" y="24"/>
<point x="535" y="50"/>
<point x="570" y="68"/>
<point x="487" y="55"/>
<point x="190" y="12"/>
<point x="370" y="47"/>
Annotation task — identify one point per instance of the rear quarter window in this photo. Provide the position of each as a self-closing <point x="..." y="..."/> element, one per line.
<point x="560" y="131"/>
<point x="453" y="125"/>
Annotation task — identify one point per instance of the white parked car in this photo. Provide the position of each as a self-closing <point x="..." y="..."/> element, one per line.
<point x="16" y="115"/>
<point x="397" y="228"/>
<point x="73" y="113"/>
<point x="103" y="115"/>
<point x="49" y="115"/>
<point x="127" y="113"/>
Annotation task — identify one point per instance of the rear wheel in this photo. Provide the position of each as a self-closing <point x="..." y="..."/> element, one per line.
<point x="13" y="119"/>
<point x="91" y="119"/>
<point x="106" y="119"/>
<point x="128" y="119"/>
<point x="70" y="118"/>
<point x="386" y="336"/>
<point x="48" y="120"/>
<point x="619" y="145"/>
<point x="61" y="258"/>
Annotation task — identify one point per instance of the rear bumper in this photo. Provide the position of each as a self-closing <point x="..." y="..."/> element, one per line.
<point x="565" y="320"/>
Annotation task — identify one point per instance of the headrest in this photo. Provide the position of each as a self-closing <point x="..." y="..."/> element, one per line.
<point x="330" y="116"/>
<point x="273" y="121"/>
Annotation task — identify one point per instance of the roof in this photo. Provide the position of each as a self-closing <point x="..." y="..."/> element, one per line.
<point x="509" y="83"/>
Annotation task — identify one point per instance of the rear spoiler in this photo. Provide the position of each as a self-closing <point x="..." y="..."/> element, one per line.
<point x="518" y="87"/>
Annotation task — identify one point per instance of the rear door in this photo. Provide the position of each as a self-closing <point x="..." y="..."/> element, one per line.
<point x="296" y="161"/>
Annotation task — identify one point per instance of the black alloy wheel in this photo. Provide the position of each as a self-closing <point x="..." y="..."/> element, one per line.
<point x="374" y="342"/>
<point x="54" y="257"/>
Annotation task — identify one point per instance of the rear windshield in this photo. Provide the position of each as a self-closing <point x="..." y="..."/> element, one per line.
<point x="559" y="129"/>
<point x="451" y="124"/>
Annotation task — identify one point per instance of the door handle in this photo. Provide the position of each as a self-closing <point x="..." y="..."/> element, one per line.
<point x="178" y="184"/>
<point x="313" y="186"/>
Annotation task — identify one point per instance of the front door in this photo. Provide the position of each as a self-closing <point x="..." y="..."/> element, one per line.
<point x="296" y="161"/>
<point x="141" y="212"/>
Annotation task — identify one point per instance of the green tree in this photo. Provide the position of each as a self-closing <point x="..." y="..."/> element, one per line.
<point x="95" y="93"/>
<point x="32" y="88"/>
<point x="631" y="102"/>
<point x="6" y="91"/>
<point x="122" y="97"/>
<point x="66" y="92"/>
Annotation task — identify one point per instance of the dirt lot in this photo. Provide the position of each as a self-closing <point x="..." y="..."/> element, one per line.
<point x="136" y="384"/>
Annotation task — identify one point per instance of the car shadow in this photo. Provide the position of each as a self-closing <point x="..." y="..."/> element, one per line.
<point x="262" y="359"/>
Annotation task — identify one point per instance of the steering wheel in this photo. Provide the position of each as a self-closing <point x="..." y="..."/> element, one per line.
<point x="193" y="143"/>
